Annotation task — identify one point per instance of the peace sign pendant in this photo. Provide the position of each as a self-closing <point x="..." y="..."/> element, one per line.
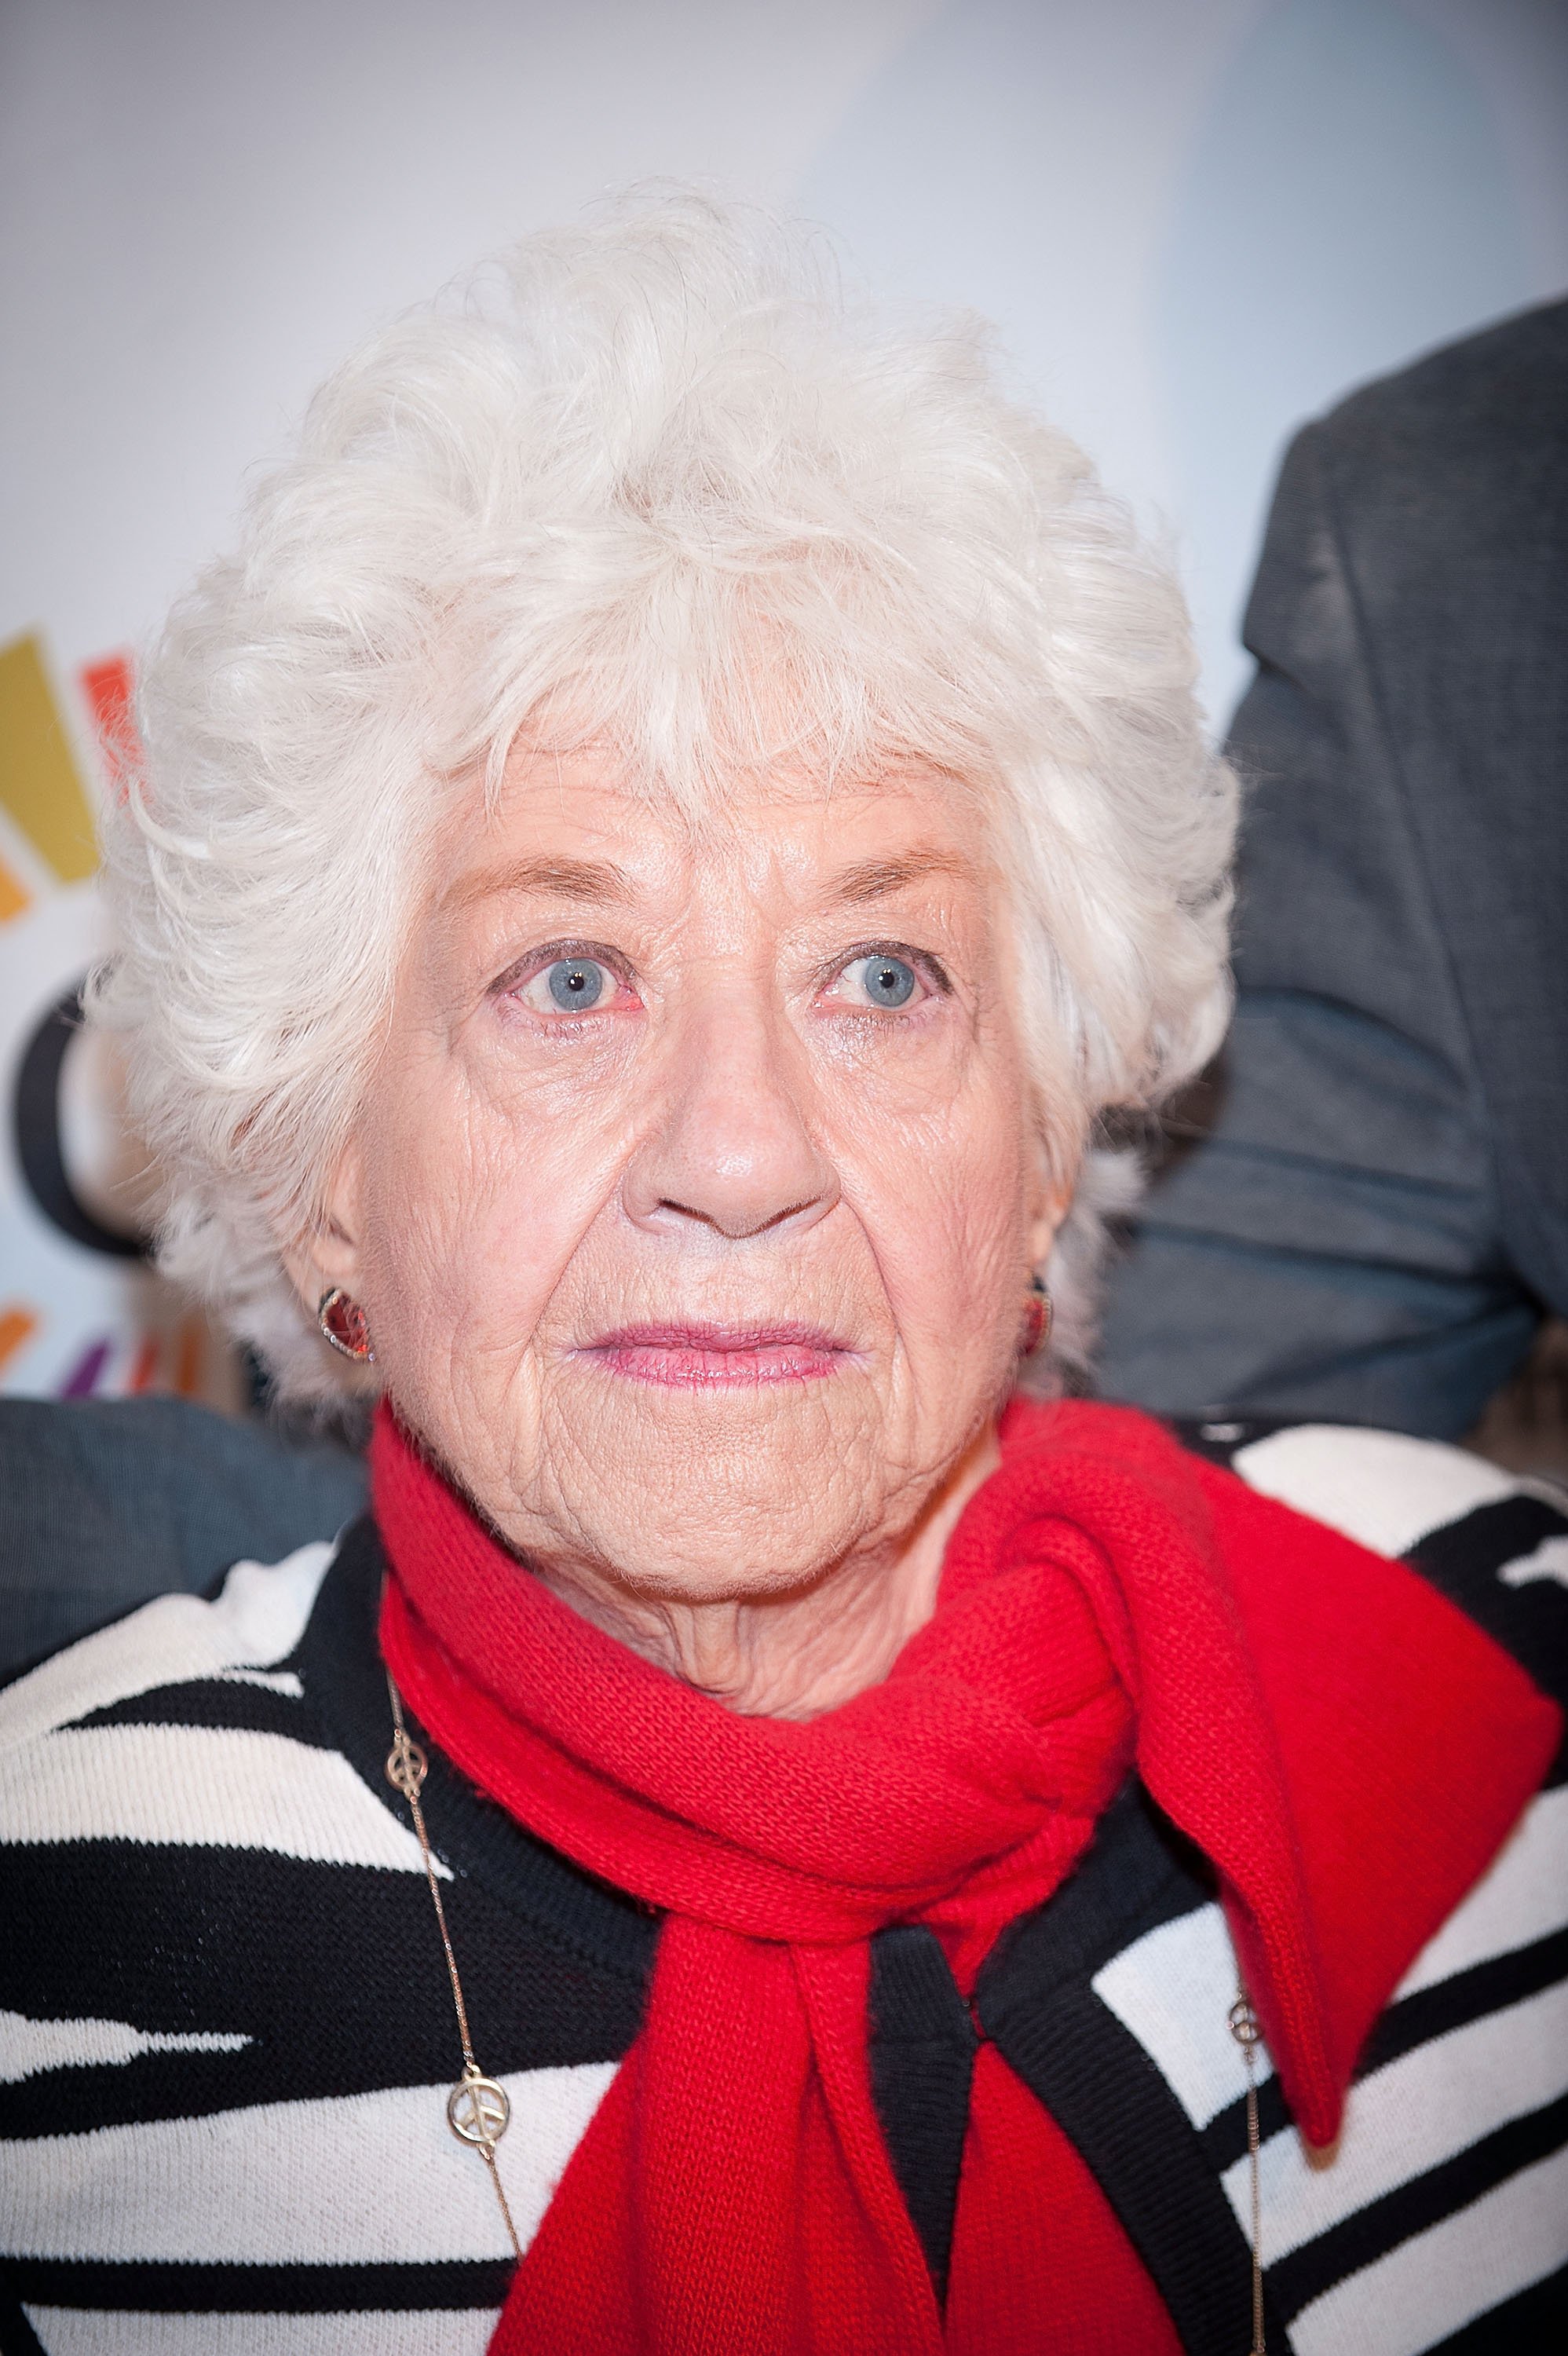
<point x="477" y="2110"/>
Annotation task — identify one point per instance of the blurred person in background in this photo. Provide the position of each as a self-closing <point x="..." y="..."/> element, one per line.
<point x="778" y="1833"/>
<point x="1375" y="1222"/>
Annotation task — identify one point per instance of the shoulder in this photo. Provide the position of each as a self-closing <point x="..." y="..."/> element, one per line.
<point x="1495" y="1543"/>
<point x="183" y="1727"/>
<point x="1390" y="1492"/>
<point x="1387" y="1490"/>
<point x="1443" y="452"/>
<point x="1510" y="376"/>
<point x="255" y="1618"/>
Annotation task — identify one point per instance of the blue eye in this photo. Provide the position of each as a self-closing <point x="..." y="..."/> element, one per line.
<point x="885" y="980"/>
<point x="569" y="985"/>
<point x="575" y="982"/>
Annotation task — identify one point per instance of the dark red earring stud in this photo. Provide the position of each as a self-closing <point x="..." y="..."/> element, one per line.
<point x="1037" y="1319"/>
<point x="342" y="1321"/>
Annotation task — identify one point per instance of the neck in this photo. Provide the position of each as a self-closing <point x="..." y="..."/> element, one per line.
<point x="798" y="1652"/>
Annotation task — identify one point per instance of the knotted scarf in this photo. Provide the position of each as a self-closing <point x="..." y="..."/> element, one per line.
<point x="1344" y="1746"/>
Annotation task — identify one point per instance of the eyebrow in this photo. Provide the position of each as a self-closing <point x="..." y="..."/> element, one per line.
<point x="876" y="877"/>
<point x="544" y="878"/>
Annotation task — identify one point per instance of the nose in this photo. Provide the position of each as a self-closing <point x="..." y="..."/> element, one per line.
<point x="730" y="1149"/>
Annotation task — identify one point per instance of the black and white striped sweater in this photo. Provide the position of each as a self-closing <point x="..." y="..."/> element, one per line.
<point x="225" y="2033"/>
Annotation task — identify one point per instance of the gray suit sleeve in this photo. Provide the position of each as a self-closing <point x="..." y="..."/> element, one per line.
<point x="104" y="1503"/>
<point x="1331" y="1246"/>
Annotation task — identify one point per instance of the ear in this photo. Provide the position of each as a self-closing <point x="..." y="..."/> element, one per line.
<point x="330" y="1254"/>
<point x="1052" y="1200"/>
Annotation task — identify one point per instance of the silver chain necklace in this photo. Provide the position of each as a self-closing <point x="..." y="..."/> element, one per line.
<point x="1245" y="2029"/>
<point x="477" y="2109"/>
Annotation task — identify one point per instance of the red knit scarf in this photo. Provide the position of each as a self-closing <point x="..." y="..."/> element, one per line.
<point x="1345" y="1747"/>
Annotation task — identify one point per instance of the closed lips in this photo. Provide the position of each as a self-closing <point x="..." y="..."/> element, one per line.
<point x="715" y="1356"/>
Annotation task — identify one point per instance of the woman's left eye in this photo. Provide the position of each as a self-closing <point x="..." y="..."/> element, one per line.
<point x="571" y="985"/>
<point x="879" y="979"/>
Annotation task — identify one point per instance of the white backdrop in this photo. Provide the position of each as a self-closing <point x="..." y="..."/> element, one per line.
<point x="1197" y="221"/>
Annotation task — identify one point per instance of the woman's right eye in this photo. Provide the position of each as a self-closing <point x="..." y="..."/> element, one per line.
<point x="571" y="985"/>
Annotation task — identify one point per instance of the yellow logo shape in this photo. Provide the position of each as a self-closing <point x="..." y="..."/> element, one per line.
<point x="40" y="786"/>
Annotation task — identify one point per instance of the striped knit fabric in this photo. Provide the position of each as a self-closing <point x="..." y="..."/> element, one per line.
<point x="226" y="2034"/>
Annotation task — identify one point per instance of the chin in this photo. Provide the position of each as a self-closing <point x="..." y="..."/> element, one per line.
<point x="722" y="1569"/>
<point x="717" y="1495"/>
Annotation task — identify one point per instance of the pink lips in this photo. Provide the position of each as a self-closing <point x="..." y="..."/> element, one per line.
<point x="712" y="1357"/>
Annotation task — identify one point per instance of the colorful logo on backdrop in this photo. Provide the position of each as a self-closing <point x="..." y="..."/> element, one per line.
<point x="81" y="1313"/>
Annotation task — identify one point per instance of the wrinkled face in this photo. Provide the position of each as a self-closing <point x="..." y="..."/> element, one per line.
<point x="694" y="1201"/>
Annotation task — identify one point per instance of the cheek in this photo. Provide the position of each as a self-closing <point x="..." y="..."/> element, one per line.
<point x="474" y="1201"/>
<point x="941" y="1187"/>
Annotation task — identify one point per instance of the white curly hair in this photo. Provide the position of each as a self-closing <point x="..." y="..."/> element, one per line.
<point x="660" y="481"/>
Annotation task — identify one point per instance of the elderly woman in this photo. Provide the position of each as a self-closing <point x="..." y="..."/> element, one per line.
<point x="651" y="864"/>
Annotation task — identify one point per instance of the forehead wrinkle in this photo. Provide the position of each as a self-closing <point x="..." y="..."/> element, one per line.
<point x="874" y="879"/>
<point x="543" y="877"/>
